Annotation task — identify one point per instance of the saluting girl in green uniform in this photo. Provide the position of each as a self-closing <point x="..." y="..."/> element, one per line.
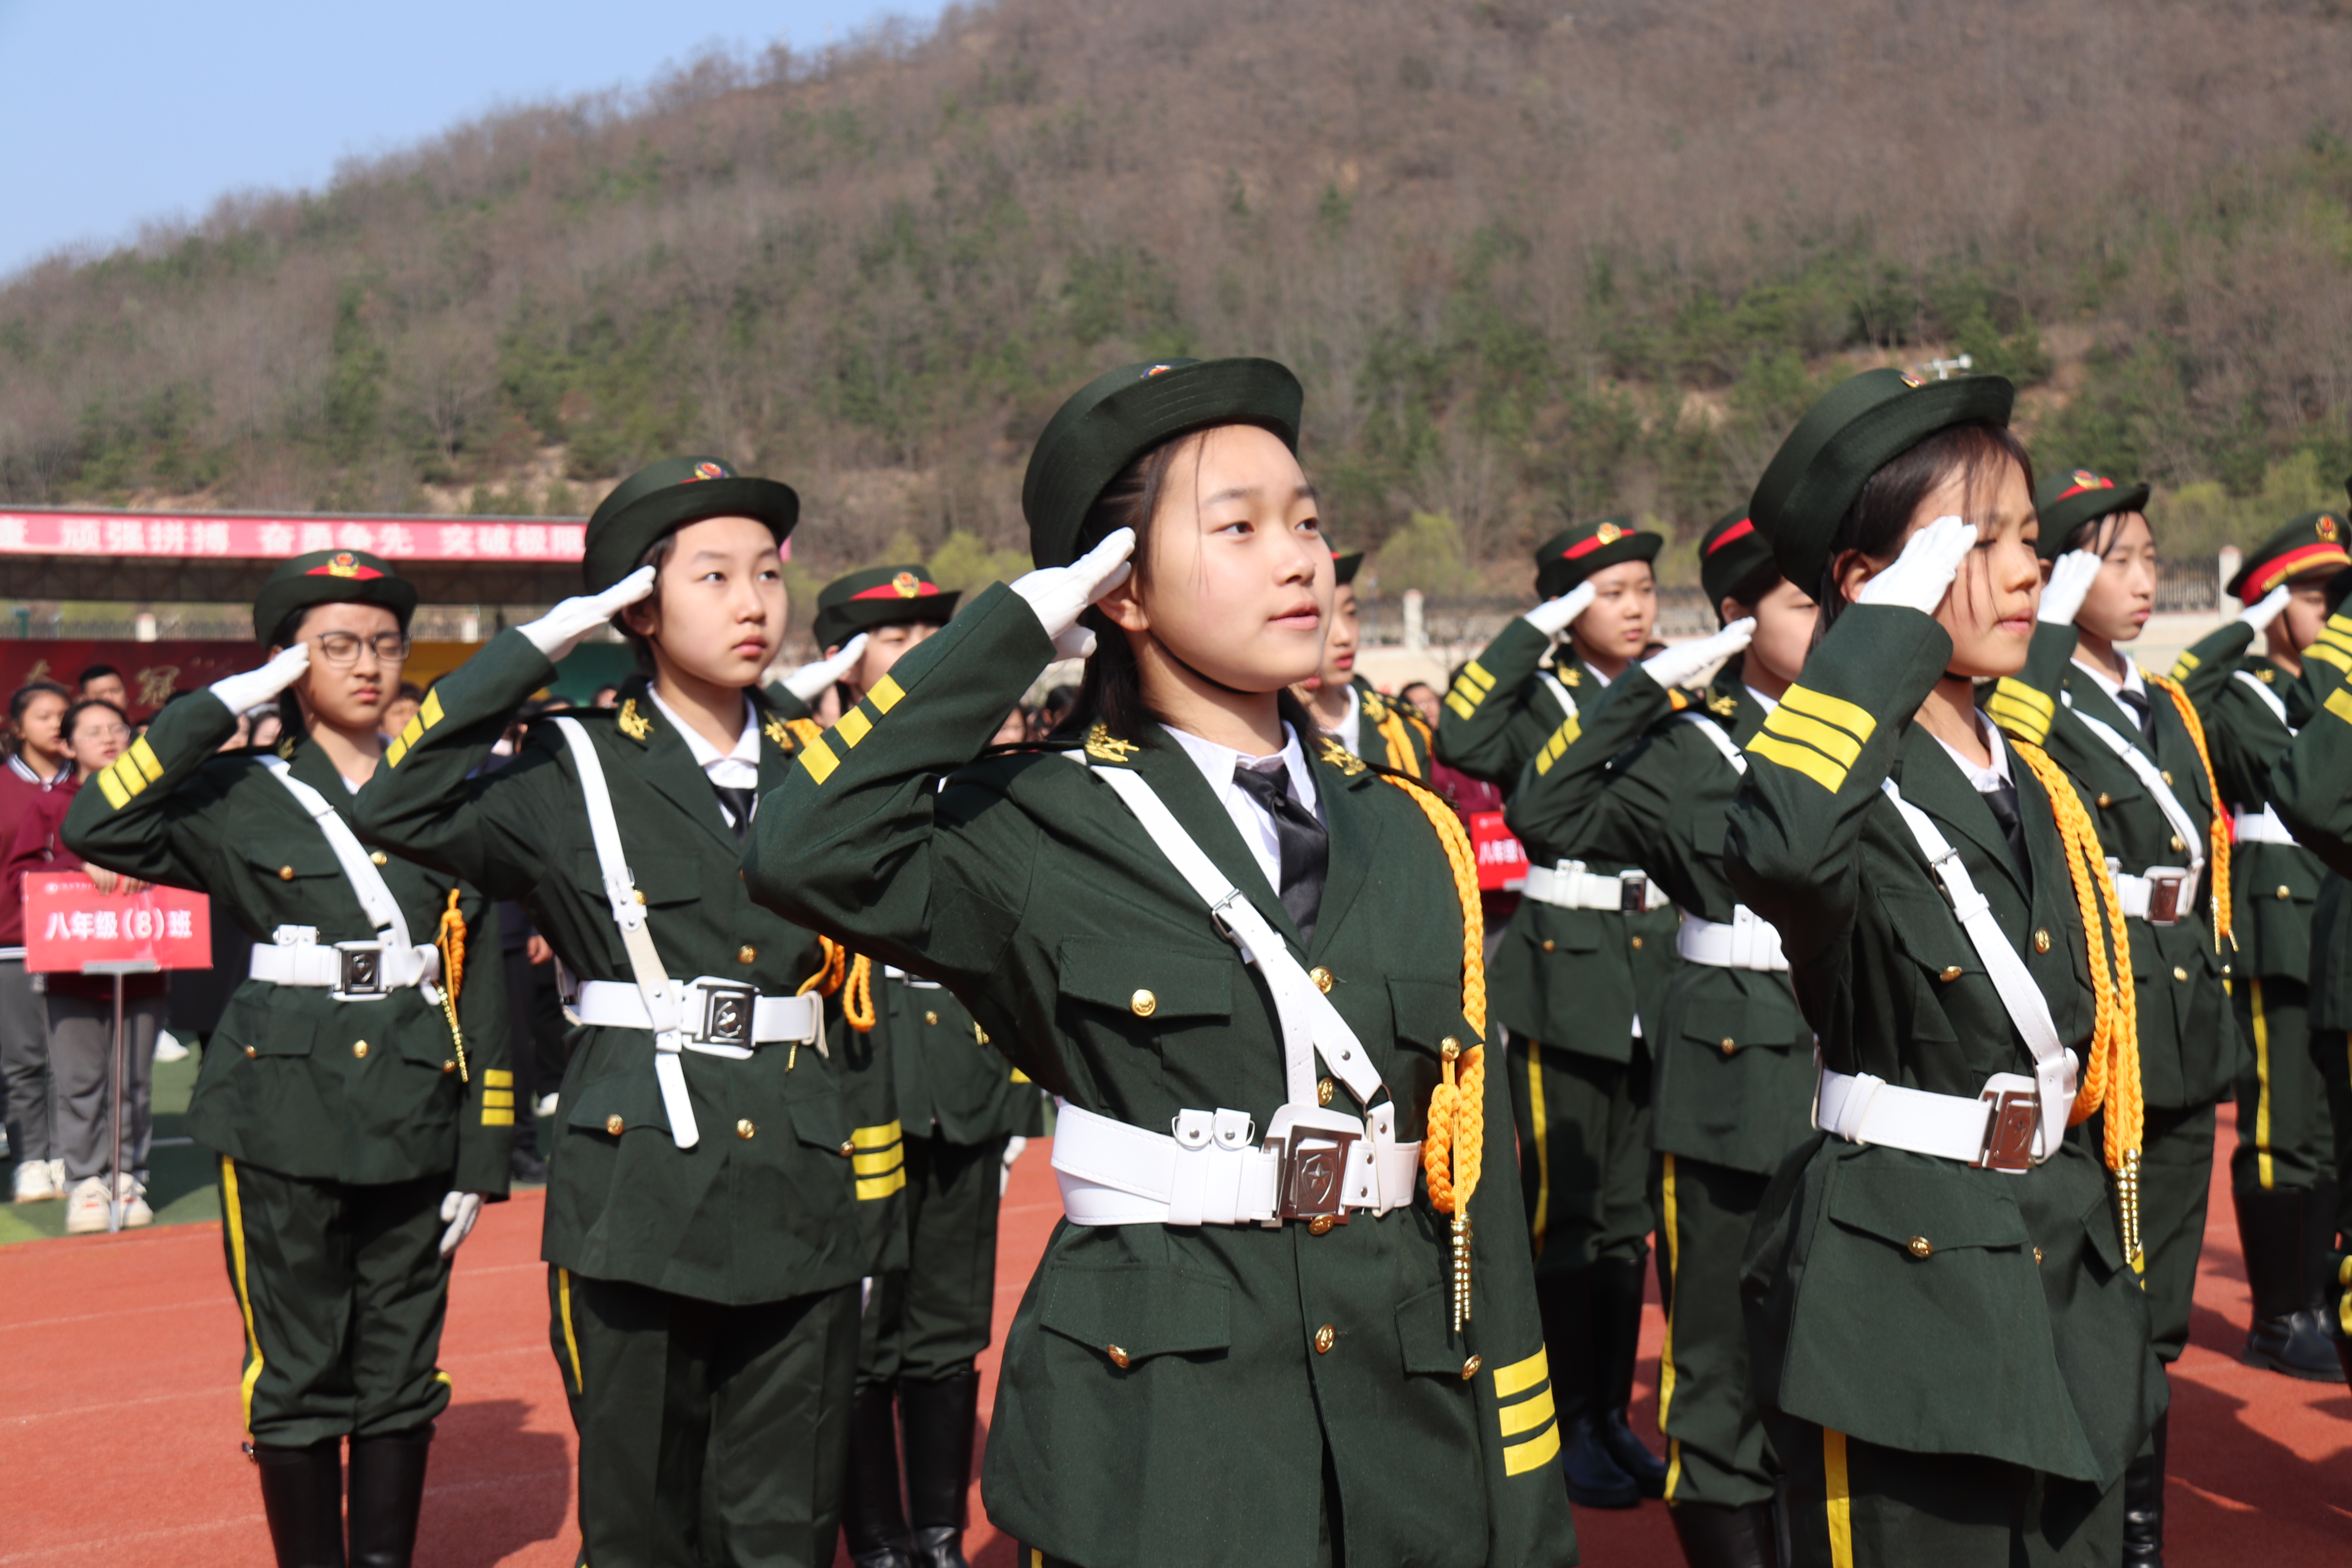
<point x="1347" y="705"/>
<point x="1248" y="966"/>
<point x="1949" y="1338"/>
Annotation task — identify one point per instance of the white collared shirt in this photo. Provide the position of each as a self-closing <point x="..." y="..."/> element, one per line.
<point x="1351" y="729"/>
<point x="2115" y="690"/>
<point x="1982" y="780"/>
<point x="1254" y="823"/>
<point x="1767" y="703"/>
<point x="738" y="769"/>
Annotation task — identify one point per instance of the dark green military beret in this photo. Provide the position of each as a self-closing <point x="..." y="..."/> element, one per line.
<point x="2067" y="500"/>
<point x="1121" y="414"/>
<point x="1344" y="564"/>
<point x="658" y="501"/>
<point x="331" y="577"/>
<point x="1858" y="427"/>
<point x="1569" y="557"/>
<point x="2312" y="542"/>
<point x="878" y="596"/>
<point x="1728" y="554"/>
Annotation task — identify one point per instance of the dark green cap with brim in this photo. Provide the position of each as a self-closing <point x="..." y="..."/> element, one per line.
<point x="878" y="596"/>
<point x="2067" y="500"/>
<point x="1344" y="564"/>
<point x="1569" y="557"/>
<point x="2312" y="542"/>
<point x="658" y="501"/>
<point x="331" y="577"/>
<point x="1858" y="427"/>
<point x="1121" y="414"/>
<point x="1728" y="554"/>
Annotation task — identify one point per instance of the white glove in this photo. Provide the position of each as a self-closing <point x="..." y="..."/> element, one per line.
<point x="1013" y="1147"/>
<point x="252" y="688"/>
<point x="461" y="1210"/>
<point x="2071" y="576"/>
<point x="1551" y="617"/>
<point x="1923" y="574"/>
<point x="1059" y="595"/>
<point x="559" y="631"/>
<point x="812" y="679"/>
<point x="2266" y="609"/>
<point x="1694" y="663"/>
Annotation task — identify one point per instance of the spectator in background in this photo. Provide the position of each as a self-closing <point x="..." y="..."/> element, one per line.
<point x="105" y="683"/>
<point x="266" y="725"/>
<point x="37" y="763"/>
<point x="81" y="1009"/>
<point x="1424" y="698"/>
<point x="1054" y="710"/>
<point x="1015" y="731"/>
<point x="607" y="697"/>
<point x="402" y="708"/>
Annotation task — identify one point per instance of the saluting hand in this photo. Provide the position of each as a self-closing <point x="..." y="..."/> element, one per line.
<point x="1551" y="617"/>
<point x="559" y="631"/>
<point x="1060" y="595"/>
<point x="2263" y="611"/>
<point x="810" y="678"/>
<point x="2071" y="576"/>
<point x="1923" y="574"/>
<point x="1694" y="663"/>
<point x="461" y="1210"/>
<point x="252" y="688"/>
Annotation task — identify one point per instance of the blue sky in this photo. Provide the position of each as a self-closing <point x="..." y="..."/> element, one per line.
<point x="117" y="112"/>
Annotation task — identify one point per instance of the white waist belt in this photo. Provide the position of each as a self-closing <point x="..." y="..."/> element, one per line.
<point x="718" y="1017"/>
<point x="2261" y="826"/>
<point x="1994" y="1129"/>
<point x="2160" y="895"/>
<point x="1210" y="1171"/>
<point x="1572" y="887"/>
<point x="353" y="970"/>
<point x="1747" y="943"/>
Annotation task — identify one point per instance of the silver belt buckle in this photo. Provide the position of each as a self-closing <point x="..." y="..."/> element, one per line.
<point x="2164" y="896"/>
<point x="1313" y="1148"/>
<point x="728" y="1013"/>
<point x="360" y="971"/>
<point x="2015" y="1116"/>
<point x="1632" y="892"/>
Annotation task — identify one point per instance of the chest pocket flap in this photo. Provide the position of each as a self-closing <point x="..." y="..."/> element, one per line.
<point x="619" y="1101"/>
<point x="303" y="851"/>
<point x="1904" y="1205"/>
<point x="1146" y="982"/>
<point x="1926" y="928"/>
<point x="1142" y="1309"/>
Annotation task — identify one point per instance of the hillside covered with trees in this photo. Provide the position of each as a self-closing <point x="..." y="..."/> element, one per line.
<point x="1529" y="257"/>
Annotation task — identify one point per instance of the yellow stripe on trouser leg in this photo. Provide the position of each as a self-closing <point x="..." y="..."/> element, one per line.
<point x="1839" y="1498"/>
<point x="1666" y="1346"/>
<point x="571" y="1339"/>
<point x="2263" y="1172"/>
<point x="1541" y="1213"/>
<point x="233" y="1216"/>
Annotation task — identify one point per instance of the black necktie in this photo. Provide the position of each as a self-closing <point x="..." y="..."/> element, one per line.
<point x="737" y="802"/>
<point x="1305" y="847"/>
<point x="2002" y="800"/>
<point x="2136" y="704"/>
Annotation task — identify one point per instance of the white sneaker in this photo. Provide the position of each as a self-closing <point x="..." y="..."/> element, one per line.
<point x="33" y="1181"/>
<point x="167" y="1048"/>
<point x="546" y="1106"/>
<point x="57" y="1178"/>
<point x="135" y="1212"/>
<point x="86" y="1206"/>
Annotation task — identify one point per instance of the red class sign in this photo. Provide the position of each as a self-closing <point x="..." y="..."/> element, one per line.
<point x="1502" y="863"/>
<point x="68" y="923"/>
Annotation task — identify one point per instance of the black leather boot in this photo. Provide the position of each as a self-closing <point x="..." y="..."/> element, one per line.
<point x="942" y="1418"/>
<point x="2144" y="1503"/>
<point x="2289" y="1335"/>
<point x="1716" y="1536"/>
<point x="873" y="1521"/>
<point x="302" y="1495"/>
<point x="387" y="1491"/>
<point x="1616" y="1345"/>
<point x="1594" y="1478"/>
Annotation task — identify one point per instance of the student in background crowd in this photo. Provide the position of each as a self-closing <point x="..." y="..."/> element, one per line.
<point x="402" y="707"/>
<point x="105" y="683"/>
<point x="264" y="727"/>
<point x="1424" y="698"/>
<point x="36" y="765"/>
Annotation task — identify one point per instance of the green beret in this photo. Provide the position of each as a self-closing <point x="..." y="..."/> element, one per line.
<point x="877" y="596"/>
<point x="1858" y="427"/>
<point x="1344" y="564"/>
<point x="331" y="577"/>
<point x="2312" y="542"/>
<point x="2067" y="500"/>
<point x="1569" y="557"/>
<point x="1121" y="414"/>
<point x="1728" y="554"/>
<point x="657" y="501"/>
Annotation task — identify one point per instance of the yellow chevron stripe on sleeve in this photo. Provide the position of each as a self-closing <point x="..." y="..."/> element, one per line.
<point x="430" y="714"/>
<point x="1799" y="759"/>
<point x="876" y="1137"/>
<point x="1518" y="1458"/>
<point x="144" y="756"/>
<point x="876" y="1164"/>
<point x="496" y="1077"/>
<point x="496" y="1118"/>
<point x="1831" y="709"/>
<point x="818" y="759"/>
<point x="397" y="750"/>
<point x="1461" y="708"/>
<point x="2184" y="664"/>
<point x="2340" y="702"/>
<point x="855" y="726"/>
<point x="1825" y="738"/>
<point x="1522" y="1375"/>
<point x="886" y="695"/>
<point x="2329" y="653"/>
<point x="1527" y="1415"/>
<point x="1477" y="672"/>
<point x="872" y="1187"/>
<point x="117" y="795"/>
<point x="497" y="1099"/>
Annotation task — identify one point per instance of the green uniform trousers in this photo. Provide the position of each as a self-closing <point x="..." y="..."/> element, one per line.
<point x="707" y="1433"/>
<point x="1716" y="1448"/>
<point x="2285" y="1135"/>
<point x="1853" y="1504"/>
<point x="931" y="1320"/>
<point x="2176" y="1179"/>
<point x="343" y="1288"/>
<point x="1584" y="1153"/>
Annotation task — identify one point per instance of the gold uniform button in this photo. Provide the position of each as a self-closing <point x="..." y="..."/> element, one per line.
<point x="744" y="1129"/>
<point x="2179" y="973"/>
<point x="2284" y="892"/>
<point x="2105" y="800"/>
<point x="285" y="873"/>
<point x="1323" y="1092"/>
<point x="932" y="1018"/>
<point x="359" y="1049"/>
<point x="449" y="1066"/>
<point x="2177" y="845"/>
<point x="1549" y="944"/>
<point x="1322" y="978"/>
<point x="1951" y="975"/>
<point x="848" y="1147"/>
<point x="1320" y="1226"/>
<point x="1920" y="1246"/>
<point x="1470" y="1368"/>
<point x="2166" y="776"/>
<point x="613" y="1124"/>
<point x="1637" y="942"/>
<point x="1449" y="1047"/>
<point x="1324" y="1337"/>
<point x="2042" y="941"/>
<point x="746" y="954"/>
<point x="1729" y="1045"/>
<point x="2037" y="1258"/>
<point x="1118" y="1356"/>
<point x="251" y="1052"/>
<point x="379" y="858"/>
<point x="1143" y="1003"/>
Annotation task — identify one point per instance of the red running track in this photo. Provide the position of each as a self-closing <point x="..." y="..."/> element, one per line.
<point x="119" y="1413"/>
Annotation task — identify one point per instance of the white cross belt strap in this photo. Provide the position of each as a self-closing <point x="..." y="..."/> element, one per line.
<point x="1569" y="886"/>
<point x="718" y="1017"/>
<point x="2055" y="1069"/>
<point x="2270" y="700"/>
<point x="1994" y="1130"/>
<point x="2261" y="826"/>
<point x="2151" y="779"/>
<point x="1748" y="942"/>
<point x="1714" y="732"/>
<point x="354" y="970"/>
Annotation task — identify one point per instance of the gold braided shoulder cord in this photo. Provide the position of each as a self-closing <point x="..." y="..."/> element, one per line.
<point x="451" y="940"/>
<point x="1454" y="1138"/>
<point x="1400" y="740"/>
<point x="2217" y="832"/>
<point x="847" y="974"/>
<point x="2111" y="1076"/>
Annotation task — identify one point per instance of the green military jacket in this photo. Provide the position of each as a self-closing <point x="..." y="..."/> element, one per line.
<point x="788" y="1191"/>
<point x="294" y="1081"/>
<point x="2188" y="1036"/>
<point x="1578" y="979"/>
<point x="1644" y="785"/>
<point x="1175" y="1394"/>
<point x="2272" y="887"/>
<point x="2312" y="788"/>
<point x="1914" y="1301"/>
<point x="952" y="1081"/>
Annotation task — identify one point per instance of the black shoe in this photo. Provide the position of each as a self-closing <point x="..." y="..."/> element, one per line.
<point x="872" y="1519"/>
<point x="1713" y="1535"/>
<point x="1594" y="1478"/>
<point x="1617" y="1343"/>
<point x="527" y="1167"/>
<point x="302" y="1495"/>
<point x="1564" y="1297"/>
<point x="942" y="1419"/>
<point x="2289" y="1334"/>
<point x="387" y="1494"/>
<point x="2144" y="1503"/>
